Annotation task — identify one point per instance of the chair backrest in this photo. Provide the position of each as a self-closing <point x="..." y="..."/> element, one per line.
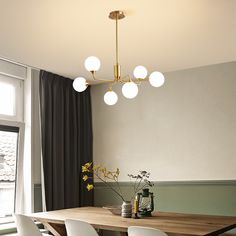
<point x="144" y="231"/>
<point x="25" y="226"/>
<point x="77" y="227"/>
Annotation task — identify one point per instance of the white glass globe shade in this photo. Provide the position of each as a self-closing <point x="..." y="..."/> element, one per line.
<point x="92" y="63"/>
<point x="79" y="84"/>
<point x="156" y="79"/>
<point x="130" y="90"/>
<point x="140" y="72"/>
<point x="110" y="98"/>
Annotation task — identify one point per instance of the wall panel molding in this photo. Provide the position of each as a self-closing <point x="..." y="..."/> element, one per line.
<point x="176" y="183"/>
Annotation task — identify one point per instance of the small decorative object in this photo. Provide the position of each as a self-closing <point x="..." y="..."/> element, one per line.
<point x="136" y="206"/>
<point x="146" y="203"/>
<point x="107" y="176"/>
<point x="126" y="210"/>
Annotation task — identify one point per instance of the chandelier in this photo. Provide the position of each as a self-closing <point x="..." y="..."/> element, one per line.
<point x="130" y="85"/>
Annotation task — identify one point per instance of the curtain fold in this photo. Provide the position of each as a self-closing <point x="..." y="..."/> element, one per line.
<point x="66" y="130"/>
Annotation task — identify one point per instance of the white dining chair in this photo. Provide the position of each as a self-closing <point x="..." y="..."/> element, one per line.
<point x="144" y="231"/>
<point x="26" y="227"/>
<point x="81" y="228"/>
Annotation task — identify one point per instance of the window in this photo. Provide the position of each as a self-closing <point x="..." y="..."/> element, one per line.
<point x="11" y="142"/>
<point x="11" y="98"/>
<point x="7" y="93"/>
<point x="8" y="160"/>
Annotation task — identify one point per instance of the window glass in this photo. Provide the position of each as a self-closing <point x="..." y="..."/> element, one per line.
<point x="11" y="98"/>
<point x="8" y="159"/>
<point x="7" y="99"/>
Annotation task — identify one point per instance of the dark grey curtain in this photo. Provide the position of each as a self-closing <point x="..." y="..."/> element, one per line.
<point x="66" y="127"/>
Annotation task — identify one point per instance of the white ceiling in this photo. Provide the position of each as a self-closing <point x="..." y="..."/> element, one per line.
<point x="164" y="35"/>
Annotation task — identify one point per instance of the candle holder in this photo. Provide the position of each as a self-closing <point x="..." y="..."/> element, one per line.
<point x="136" y="206"/>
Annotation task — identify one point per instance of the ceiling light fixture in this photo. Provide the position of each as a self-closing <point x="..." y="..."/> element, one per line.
<point x="130" y="85"/>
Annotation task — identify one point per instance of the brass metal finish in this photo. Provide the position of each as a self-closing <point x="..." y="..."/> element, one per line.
<point x="117" y="72"/>
<point x="117" y="45"/>
<point x="98" y="79"/>
<point x="116" y="15"/>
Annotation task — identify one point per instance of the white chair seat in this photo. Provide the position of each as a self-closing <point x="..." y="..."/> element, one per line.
<point x="77" y="227"/>
<point x="144" y="231"/>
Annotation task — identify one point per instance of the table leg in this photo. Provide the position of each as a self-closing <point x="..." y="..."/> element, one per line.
<point x="55" y="229"/>
<point x="123" y="234"/>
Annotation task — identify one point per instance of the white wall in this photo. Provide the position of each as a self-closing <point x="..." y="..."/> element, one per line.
<point x="185" y="130"/>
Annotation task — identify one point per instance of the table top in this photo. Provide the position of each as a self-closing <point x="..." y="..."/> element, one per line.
<point x="171" y="223"/>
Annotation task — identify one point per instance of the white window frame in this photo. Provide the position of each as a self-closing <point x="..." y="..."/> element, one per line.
<point x="19" y="93"/>
<point x="15" y="74"/>
<point x="20" y="148"/>
<point x="24" y="187"/>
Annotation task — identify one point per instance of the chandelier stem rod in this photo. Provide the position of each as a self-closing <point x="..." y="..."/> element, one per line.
<point x="117" y="56"/>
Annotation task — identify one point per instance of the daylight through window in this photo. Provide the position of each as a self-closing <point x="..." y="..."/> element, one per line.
<point x="8" y="159"/>
<point x="7" y="99"/>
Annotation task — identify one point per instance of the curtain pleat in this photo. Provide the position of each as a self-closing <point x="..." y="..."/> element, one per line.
<point x="66" y="130"/>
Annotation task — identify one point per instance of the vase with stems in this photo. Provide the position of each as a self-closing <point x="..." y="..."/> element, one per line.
<point x="139" y="182"/>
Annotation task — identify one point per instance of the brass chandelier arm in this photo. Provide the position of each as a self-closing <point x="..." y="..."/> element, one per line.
<point x="98" y="79"/>
<point x="127" y="78"/>
<point x="139" y="81"/>
<point x="122" y="80"/>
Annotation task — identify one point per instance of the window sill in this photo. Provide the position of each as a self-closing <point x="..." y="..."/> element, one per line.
<point x="6" y="220"/>
<point x="7" y="228"/>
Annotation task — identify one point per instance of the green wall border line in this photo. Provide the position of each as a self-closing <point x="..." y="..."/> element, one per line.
<point x="169" y="183"/>
<point x="176" y="183"/>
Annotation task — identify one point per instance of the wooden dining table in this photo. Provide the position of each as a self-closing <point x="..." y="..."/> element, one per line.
<point x="174" y="224"/>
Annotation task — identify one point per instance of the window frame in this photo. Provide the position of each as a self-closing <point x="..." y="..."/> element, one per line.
<point x="20" y="152"/>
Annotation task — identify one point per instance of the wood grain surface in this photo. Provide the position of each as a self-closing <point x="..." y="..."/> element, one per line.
<point x="171" y="223"/>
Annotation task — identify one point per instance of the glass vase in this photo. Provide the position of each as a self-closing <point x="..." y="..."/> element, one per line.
<point x="126" y="209"/>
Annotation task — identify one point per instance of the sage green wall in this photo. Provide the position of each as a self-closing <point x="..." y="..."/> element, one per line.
<point x="203" y="197"/>
<point x="217" y="198"/>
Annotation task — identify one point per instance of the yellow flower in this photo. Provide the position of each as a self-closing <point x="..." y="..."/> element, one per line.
<point x="89" y="187"/>
<point x="85" y="169"/>
<point x="88" y="164"/>
<point x="96" y="167"/>
<point x="85" y="177"/>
